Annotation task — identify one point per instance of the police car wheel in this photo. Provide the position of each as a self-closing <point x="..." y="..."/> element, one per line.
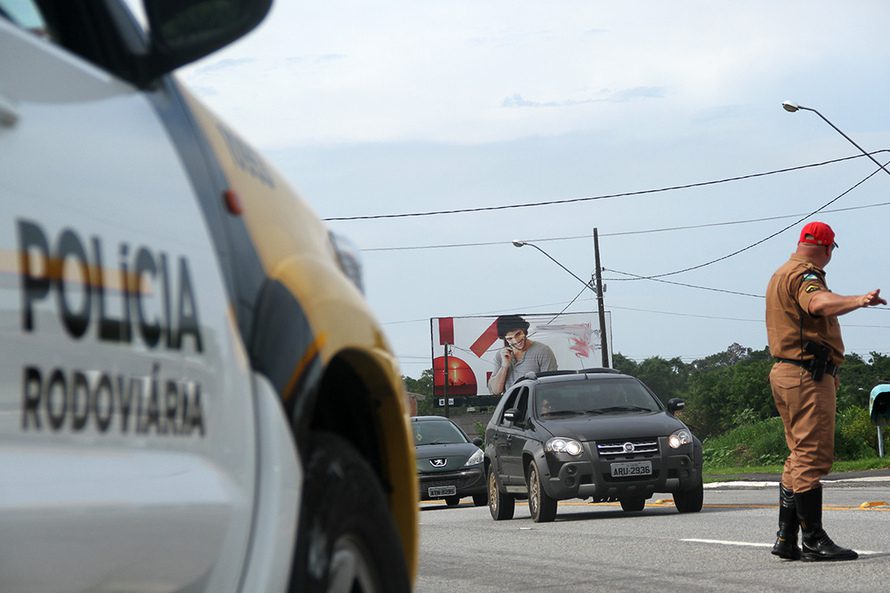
<point x="347" y="540"/>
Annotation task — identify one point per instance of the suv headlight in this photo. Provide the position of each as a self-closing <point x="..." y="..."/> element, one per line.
<point x="476" y="458"/>
<point x="679" y="438"/>
<point x="562" y="445"/>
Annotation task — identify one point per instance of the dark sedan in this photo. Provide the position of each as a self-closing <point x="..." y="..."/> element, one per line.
<point x="449" y="463"/>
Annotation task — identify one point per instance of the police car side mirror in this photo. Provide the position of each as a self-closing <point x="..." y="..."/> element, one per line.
<point x="183" y="31"/>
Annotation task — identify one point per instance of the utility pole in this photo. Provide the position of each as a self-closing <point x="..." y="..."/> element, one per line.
<point x="604" y="344"/>
<point x="445" y="382"/>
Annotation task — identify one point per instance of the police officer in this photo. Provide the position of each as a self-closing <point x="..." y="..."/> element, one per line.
<point x="805" y="339"/>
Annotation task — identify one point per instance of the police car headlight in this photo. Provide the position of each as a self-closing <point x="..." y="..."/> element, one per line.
<point x="562" y="445"/>
<point x="476" y="458"/>
<point x="680" y="438"/>
<point x="348" y="258"/>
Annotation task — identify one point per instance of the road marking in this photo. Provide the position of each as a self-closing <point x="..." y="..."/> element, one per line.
<point x="726" y="543"/>
<point x="721" y="542"/>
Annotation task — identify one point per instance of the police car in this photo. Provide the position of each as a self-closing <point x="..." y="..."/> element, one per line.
<point x="194" y="395"/>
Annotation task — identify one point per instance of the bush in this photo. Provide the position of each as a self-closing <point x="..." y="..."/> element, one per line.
<point x="758" y="443"/>
<point x="763" y="443"/>
<point x="855" y="437"/>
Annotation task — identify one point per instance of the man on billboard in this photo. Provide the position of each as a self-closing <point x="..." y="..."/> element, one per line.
<point x="519" y="356"/>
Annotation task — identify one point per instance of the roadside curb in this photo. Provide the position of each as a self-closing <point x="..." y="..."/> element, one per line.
<point x="772" y="480"/>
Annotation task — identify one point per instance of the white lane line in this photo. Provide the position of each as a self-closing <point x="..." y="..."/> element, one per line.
<point x="727" y="543"/>
<point x="758" y="545"/>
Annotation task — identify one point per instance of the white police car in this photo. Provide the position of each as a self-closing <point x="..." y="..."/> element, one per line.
<point x="193" y="395"/>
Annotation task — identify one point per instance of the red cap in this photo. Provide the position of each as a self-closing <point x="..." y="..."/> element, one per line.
<point x="820" y="234"/>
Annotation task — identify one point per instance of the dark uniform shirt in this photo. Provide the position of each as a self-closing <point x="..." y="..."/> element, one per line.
<point x="788" y="325"/>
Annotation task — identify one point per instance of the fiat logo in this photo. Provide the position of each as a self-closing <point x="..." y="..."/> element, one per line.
<point x="628" y="447"/>
<point x="438" y="462"/>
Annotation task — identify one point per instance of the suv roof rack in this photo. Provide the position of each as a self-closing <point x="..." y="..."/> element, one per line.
<point x="593" y="370"/>
<point x="600" y="370"/>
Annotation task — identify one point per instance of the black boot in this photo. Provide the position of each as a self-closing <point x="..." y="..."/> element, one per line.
<point x="786" y="538"/>
<point x="816" y="543"/>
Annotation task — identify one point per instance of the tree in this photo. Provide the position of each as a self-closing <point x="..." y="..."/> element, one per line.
<point x="422" y="386"/>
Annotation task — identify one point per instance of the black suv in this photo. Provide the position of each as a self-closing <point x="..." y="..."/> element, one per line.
<point x="596" y="434"/>
<point x="449" y="464"/>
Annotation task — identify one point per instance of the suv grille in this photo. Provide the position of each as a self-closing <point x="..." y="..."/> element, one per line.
<point x="628" y="448"/>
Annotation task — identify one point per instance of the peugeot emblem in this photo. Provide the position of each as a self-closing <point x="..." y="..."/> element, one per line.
<point x="440" y="462"/>
<point x="628" y="447"/>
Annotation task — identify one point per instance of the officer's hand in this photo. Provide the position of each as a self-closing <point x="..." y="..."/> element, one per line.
<point x="873" y="298"/>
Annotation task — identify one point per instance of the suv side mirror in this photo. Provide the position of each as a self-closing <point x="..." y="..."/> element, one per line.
<point x="510" y="414"/>
<point x="675" y="404"/>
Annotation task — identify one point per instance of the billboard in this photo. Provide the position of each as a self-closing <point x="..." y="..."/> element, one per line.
<point x="473" y="345"/>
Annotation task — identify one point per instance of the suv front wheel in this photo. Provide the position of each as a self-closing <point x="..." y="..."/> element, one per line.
<point x="500" y="506"/>
<point x="541" y="506"/>
<point x="690" y="501"/>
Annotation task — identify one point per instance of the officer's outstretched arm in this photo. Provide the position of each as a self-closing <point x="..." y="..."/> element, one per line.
<point x="828" y="303"/>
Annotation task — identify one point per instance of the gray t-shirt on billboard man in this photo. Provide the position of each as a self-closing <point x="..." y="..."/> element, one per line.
<point x="538" y="357"/>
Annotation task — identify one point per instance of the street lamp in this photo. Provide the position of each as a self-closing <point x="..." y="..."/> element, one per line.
<point x="604" y="345"/>
<point x="792" y="107"/>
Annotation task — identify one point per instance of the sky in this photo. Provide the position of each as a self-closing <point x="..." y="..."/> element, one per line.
<point x="384" y="108"/>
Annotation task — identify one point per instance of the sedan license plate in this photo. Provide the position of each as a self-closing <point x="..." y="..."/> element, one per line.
<point x="631" y="468"/>
<point x="442" y="491"/>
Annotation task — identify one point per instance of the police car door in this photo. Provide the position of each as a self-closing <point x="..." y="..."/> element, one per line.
<point x="126" y="431"/>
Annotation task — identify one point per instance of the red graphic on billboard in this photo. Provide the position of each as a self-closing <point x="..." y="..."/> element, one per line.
<point x="461" y="379"/>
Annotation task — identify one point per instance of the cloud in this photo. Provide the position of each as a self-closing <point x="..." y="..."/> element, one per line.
<point x="223" y="66"/>
<point x="644" y="92"/>
<point x="314" y="59"/>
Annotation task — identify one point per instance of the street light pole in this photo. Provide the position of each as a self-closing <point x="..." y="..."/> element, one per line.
<point x="792" y="107"/>
<point x="597" y="291"/>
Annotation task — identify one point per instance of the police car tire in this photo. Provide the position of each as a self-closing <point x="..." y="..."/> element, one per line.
<point x="345" y="525"/>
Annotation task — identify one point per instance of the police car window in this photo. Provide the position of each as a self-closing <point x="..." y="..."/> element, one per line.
<point x="25" y="14"/>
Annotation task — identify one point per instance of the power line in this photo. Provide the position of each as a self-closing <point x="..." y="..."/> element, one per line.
<point x="752" y="245"/>
<point x="600" y="197"/>
<point x="621" y="233"/>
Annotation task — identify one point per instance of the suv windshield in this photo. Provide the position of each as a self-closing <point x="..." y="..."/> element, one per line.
<point x="437" y="432"/>
<point x="593" y="397"/>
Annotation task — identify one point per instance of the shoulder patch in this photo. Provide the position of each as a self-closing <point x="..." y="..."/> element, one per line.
<point x="810" y="276"/>
<point x="811" y="288"/>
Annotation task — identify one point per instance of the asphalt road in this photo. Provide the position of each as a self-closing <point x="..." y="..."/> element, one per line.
<point x="598" y="547"/>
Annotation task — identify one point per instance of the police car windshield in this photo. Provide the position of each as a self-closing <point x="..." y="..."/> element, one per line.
<point x="611" y="396"/>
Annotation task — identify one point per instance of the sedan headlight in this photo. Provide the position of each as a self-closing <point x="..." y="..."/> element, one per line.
<point x="680" y="438"/>
<point x="563" y="445"/>
<point x="476" y="458"/>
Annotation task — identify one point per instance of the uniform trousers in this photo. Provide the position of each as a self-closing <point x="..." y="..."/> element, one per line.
<point x="808" y="410"/>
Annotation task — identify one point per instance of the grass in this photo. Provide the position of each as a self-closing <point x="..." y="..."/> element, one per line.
<point x="716" y="474"/>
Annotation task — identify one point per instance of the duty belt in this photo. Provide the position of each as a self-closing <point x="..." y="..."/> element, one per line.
<point x="830" y="368"/>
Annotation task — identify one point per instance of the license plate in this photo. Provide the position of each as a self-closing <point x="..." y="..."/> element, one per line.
<point x="442" y="491"/>
<point x="631" y="468"/>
